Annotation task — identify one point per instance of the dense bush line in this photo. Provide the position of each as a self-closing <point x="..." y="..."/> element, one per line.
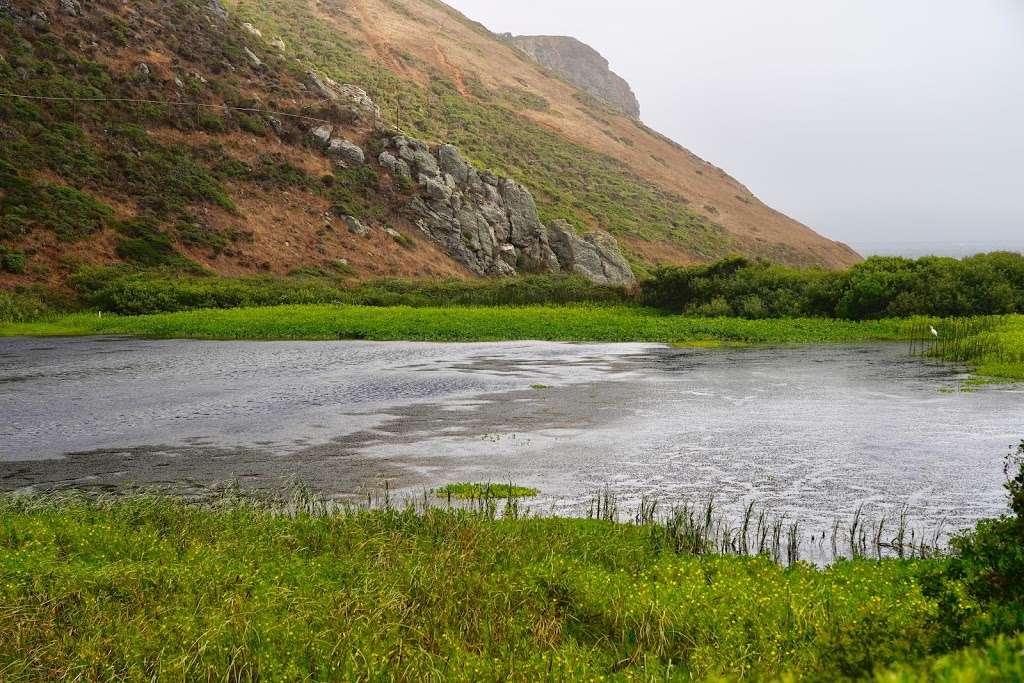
<point x="880" y="287"/>
<point x="129" y="293"/>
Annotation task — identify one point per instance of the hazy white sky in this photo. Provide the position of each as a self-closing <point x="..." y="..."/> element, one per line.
<point x="869" y="120"/>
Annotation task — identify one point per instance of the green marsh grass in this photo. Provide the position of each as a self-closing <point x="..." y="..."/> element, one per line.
<point x="247" y="588"/>
<point x="467" y="491"/>
<point x="580" y="323"/>
<point x="993" y="345"/>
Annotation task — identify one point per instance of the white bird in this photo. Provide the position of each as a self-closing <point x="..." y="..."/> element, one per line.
<point x="935" y="332"/>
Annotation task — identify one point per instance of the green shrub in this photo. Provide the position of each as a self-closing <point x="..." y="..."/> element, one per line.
<point x="342" y="267"/>
<point x="25" y="203"/>
<point x="121" y="290"/>
<point x="403" y="240"/>
<point x="16" y="308"/>
<point x="991" y="557"/>
<point x="144" y="244"/>
<point x="12" y="262"/>
<point x="163" y="178"/>
<point x="211" y="123"/>
<point x="880" y="287"/>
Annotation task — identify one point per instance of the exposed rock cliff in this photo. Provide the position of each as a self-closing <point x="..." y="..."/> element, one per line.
<point x="489" y="223"/>
<point x="583" y="66"/>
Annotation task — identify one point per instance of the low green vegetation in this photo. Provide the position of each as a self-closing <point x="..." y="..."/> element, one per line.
<point x="466" y="491"/>
<point x="246" y="588"/>
<point x="130" y="292"/>
<point x="12" y="261"/>
<point x="994" y="345"/>
<point x="25" y="204"/>
<point x="732" y="303"/>
<point x="880" y="287"/>
<point x="581" y="323"/>
<point x="62" y="164"/>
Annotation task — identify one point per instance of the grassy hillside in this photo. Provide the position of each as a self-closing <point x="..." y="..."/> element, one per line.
<point x="228" y="183"/>
<point x="184" y="188"/>
<point x="569" y="180"/>
<point x="467" y="75"/>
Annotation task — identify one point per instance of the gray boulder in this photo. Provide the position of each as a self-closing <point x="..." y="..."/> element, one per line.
<point x="436" y="189"/>
<point x="323" y="86"/>
<point x="526" y="232"/>
<point x="425" y="164"/>
<point x="346" y="154"/>
<point x="417" y="154"/>
<point x="353" y="95"/>
<point x="252" y="30"/>
<point x="395" y="166"/>
<point x="508" y="255"/>
<point x="451" y="163"/>
<point x="355" y="226"/>
<point x="322" y="134"/>
<point x="358" y="98"/>
<point x="596" y="256"/>
<point x="71" y="7"/>
<point x="217" y="9"/>
<point x="251" y="56"/>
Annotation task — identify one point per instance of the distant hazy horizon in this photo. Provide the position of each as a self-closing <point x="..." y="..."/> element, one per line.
<point x="917" y="249"/>
<point x="872" y="122"/>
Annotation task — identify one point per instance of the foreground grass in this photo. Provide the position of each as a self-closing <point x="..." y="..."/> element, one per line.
<point x="150" y="588"/>
<point x="464" y="323"/>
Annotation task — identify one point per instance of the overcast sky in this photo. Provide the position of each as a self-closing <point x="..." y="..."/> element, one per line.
<point x="869" y="120"/>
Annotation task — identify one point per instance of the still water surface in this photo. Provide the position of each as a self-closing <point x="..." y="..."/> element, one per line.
<point x="813" y="431"/>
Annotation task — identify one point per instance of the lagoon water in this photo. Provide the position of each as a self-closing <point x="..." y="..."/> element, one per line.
<point x="813" y="432"/>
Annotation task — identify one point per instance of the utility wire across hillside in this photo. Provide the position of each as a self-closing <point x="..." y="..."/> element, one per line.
<point x="170" y="103"/>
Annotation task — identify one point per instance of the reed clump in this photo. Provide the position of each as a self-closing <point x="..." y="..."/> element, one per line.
<point x="992" y="344"/>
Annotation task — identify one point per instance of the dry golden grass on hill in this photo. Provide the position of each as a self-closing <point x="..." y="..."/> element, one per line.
<point x="439" y="39"/>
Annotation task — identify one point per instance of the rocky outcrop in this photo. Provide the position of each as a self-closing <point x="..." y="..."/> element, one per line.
<point x="491" y="224"/>
<point x="355" y="226"/>
<point x="488" y="223"/>
<point x="595" y="256"/>
<point x="217" y="9"/>
<point x="252" y="30"/>
<point x="345" y="93"/>
<point x="254" y="60"/>
<point x="321" y="135"/>
<point x="71" y="7"/>
<point x="581" y="65"/>
<point x="346" y="154"/>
